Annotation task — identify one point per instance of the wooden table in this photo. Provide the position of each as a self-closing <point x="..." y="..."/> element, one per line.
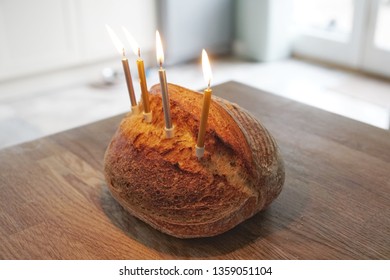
<point x="54" y="202"/>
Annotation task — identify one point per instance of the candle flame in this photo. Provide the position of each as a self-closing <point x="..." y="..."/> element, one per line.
<point x="159" y="49"/>
<point x="206" y="68"/>
<point x="133" y="43"/>
<point x="117" y="43"/>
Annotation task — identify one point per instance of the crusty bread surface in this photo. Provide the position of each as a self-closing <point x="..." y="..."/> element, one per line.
<point x="163" y="183"/>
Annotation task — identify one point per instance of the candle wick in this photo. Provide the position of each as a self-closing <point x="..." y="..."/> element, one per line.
<point x="123" y="52"/>
<point x="160" y="63"/>
<point x="208" y="85"/>
<point x="139" y="52"/>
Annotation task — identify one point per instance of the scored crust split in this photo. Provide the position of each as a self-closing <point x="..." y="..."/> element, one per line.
<point x="163" y="183"/>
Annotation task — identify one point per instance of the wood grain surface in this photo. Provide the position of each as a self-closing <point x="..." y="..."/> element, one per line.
<point x="54" y="202"/>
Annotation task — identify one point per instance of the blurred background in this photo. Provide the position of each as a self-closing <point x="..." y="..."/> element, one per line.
<point x="59" y="68"/>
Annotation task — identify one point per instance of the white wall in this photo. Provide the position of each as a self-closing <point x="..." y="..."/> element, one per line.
<point x="45" y="35"/>
<point x="189" y="26"/>
<point x="263" y="29"/>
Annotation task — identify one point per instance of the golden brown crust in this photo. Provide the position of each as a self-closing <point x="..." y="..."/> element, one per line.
<point x="161" y="181"/>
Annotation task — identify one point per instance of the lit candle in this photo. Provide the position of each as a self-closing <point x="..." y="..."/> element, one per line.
<point x="125" y="63"/>
<point x="199" y="148"/>
<point x="141" y="75"/>
<point x="164" y="88"/>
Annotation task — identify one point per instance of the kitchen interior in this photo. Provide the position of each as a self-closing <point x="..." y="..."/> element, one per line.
<point x="60" y="70"/>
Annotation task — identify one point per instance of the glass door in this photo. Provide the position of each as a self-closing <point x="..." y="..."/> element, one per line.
<point x="353" y="33"/>
<point x="376" y="56"/>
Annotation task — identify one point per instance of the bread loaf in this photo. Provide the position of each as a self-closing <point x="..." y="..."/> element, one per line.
<point x="163" y="183"/>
